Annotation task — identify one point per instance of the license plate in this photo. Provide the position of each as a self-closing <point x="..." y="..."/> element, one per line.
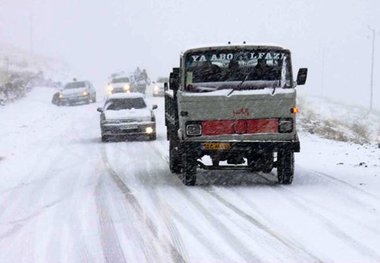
<point x="216" y="146"/>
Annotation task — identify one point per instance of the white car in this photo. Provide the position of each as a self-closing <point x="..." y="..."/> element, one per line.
<point x="76" y="91"/>
<point x="119" y="85"/>
<point x="158" y="87"/>
<point x="127" y="114"/>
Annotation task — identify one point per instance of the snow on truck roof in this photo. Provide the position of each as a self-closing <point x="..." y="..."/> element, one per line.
<point x="126" y="95"/>
<point x="232" y="47"/>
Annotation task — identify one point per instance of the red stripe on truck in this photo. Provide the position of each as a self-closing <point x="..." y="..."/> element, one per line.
<point x="222" y="127"/>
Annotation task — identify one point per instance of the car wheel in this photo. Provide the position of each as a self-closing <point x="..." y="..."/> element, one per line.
<point x="285" y="167"/>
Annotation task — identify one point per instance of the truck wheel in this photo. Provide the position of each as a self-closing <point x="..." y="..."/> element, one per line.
<point x="285" y="167"/>
<point x="189" y="175"/>
<point x="175" y="163"/>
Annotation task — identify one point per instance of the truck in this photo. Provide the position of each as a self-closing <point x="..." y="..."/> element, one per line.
<point x="235" y="104"/>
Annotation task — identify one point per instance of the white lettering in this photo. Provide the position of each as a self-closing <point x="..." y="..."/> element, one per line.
<point x="230" y="56"/>
<point x="203" y="58"/>
<point x="195" y="58"/>
<point x="214" y="57"/>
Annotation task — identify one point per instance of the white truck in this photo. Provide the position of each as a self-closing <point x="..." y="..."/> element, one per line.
<point x="236" y="104"/>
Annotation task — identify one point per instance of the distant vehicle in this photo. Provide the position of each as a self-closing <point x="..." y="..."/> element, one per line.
<point x="158" y="87"/>
<point x="235" y="104"/>
<point x="127" y="114"/>
<point x="76" y="92"/>
<point x="119" y="84"/>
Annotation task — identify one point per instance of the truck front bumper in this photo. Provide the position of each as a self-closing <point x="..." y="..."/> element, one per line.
<point x="242" y="147"/>
<point x="134" y="128"/>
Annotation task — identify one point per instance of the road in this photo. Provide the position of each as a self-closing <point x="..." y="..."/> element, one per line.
<point x="67" y="197"/>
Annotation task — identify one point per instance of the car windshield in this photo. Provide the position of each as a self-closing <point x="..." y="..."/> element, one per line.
<point x="125" y="104"/>
<point x="238" y="69"/>
<point x="120" y="80"/>
<point x="75" y="85"/>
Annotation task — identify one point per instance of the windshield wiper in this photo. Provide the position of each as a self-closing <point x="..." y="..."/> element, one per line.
<point x="239" y="85"/>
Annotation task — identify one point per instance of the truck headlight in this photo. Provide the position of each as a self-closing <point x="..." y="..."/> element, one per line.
<point x="285" y="125"/>
<point x="127" y="87"/>
<point x="193" y="129"/>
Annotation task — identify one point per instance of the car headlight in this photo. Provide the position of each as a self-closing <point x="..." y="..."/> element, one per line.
<point x="60" y="95"/>
<point x="193" y="129"/>
<point x="127" y="87"/>
<point x="85" y="93"/>
<point x="156" y="89"/>
<point x="149" y="130"/>
<point x="109" y="88"/>
<point x="285" y="125"/>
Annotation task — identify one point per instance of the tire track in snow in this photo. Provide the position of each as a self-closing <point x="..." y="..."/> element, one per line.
<point x="348" y="185"/>
<point x="333" y="228"/>
<point x="260" y="225"/>
<point x="294" y="246"/>
<point x="112" y="250"/>
<point x="132" y="200"/>
<point x="234" y="242"/>
<point x="168" y="212"/>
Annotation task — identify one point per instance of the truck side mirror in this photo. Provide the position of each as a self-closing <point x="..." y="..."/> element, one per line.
<point x="174" y="79"/>
<point x="166" y="86"/>
<point x="301" y="76"/>
<point x="100" y="109"/>
<point x="154" y="107"/>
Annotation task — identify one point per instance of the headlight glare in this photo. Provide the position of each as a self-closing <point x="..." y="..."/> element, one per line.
<point x="149" y="130"/>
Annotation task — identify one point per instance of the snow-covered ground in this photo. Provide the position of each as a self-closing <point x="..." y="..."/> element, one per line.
<point x="67" y="197"/>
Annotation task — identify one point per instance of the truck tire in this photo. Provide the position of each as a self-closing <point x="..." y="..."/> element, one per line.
<point x="189" y="173"/>
<point x="285" y="167"/>
<point x="175" y="162"/>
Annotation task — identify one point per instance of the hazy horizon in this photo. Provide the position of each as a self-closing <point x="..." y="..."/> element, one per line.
<point x="97" y="38"/>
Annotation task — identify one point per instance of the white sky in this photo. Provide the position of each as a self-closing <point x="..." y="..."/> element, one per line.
<point x="98" y="37"/>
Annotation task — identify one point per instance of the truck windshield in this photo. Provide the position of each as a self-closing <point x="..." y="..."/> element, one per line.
<point x="126" y="104"/>
<point x="236" y="69"/>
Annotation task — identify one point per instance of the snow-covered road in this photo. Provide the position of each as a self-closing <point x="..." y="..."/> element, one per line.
<point x="67" y="197"/>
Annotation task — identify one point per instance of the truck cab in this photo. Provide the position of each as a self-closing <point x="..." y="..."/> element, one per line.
<point x="237" y="105"/>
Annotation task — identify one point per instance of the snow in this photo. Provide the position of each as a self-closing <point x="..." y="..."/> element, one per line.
<point x="132" y="114"/>
<point x="126" y="95"/>
<point x="67" y="197"/>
